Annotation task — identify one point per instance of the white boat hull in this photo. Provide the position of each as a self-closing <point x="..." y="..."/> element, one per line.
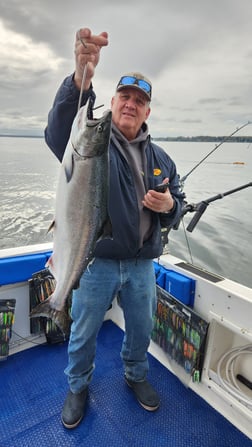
<point x="225" y="305"/>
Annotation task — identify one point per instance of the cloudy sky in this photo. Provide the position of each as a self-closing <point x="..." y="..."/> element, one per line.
<point x="198" y="54"/>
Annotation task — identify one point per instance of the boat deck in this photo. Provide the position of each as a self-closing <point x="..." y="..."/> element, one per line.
<point x="33" y="387"/>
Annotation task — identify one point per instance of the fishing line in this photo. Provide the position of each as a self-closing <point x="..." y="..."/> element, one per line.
<point x="187" y="242"/>
<point x="200" y="207"/>
<point x="183" y="179"/>
<point x="84" y="76"/>
<point x="91" y="107"/>
<point x="27" y="339"/>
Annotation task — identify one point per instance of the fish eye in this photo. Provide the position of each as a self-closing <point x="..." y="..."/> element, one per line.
<point x="100" y="128"/>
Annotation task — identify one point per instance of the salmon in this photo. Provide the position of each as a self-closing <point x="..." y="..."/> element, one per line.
<point x="81" y="211"/>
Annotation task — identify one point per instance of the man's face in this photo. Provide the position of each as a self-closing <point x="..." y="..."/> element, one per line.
<point x="130" y="109"/>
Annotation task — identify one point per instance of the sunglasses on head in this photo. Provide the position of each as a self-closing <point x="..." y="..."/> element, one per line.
<point x="132" y="80"/>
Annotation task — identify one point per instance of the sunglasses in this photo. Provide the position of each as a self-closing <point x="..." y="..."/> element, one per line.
<point x="131" y="80"/>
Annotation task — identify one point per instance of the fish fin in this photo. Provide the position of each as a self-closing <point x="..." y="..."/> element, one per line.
<point x="51" y="227"/>
<point x="59" y="317"/>
<point x="69" y="167"/>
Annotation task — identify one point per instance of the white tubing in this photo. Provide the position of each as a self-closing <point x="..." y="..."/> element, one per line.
<point x="229" y="382"/>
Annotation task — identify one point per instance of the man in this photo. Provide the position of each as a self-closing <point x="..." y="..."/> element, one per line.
<point x="122" y="266"/>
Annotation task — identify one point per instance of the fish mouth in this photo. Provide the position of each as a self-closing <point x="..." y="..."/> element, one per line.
<point x="59" y="317"/>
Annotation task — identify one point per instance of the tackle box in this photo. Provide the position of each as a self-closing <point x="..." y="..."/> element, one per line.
<point x="7" y="308"/>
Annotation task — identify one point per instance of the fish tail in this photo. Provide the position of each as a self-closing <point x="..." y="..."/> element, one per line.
<point x="59" y="317"/>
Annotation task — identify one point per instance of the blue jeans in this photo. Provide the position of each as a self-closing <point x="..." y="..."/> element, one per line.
<point x="133" y="281"/>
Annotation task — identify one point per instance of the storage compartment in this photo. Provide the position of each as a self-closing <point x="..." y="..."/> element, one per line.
<point x="230" y="362"/>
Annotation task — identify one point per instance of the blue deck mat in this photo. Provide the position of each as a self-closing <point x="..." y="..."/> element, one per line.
<point x="33" y="387"/>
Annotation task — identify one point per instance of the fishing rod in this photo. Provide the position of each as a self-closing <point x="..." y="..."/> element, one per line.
<point x="183" y="179"/>
<point x="200" y="207"/>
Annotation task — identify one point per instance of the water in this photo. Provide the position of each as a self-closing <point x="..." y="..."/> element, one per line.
<point x="221" y="241"/>
<point x="29" y="173"/>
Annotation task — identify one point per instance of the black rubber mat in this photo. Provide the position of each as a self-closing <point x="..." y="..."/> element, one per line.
<point x="33" y="387"/>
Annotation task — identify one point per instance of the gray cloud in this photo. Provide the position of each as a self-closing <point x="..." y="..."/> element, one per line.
<point x="198" y="55"/>
<point x="210" y="100"/>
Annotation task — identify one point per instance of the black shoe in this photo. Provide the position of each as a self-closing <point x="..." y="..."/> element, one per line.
<point x="73" y="410"/>
<point x="145" y="394"/>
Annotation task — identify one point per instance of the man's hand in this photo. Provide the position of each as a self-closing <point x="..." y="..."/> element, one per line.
<point x="87" y="51"/>
<point x="161" y="202"/>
